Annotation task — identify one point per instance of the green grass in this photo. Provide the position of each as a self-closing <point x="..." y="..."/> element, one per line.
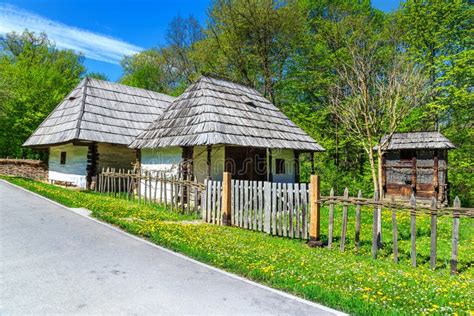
<point x="351" y="282"/>
<point x="99" y="203"/>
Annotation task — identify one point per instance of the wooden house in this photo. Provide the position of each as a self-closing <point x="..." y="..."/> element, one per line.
<point x="92" y="127"/>
<point x="217" y="125"/>
<point x="416" y="163"/>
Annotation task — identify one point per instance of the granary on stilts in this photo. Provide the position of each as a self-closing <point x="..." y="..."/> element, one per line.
<point x="416" y="163"/>
<point x="216" y="126"/>
<point x="91" y="128"/>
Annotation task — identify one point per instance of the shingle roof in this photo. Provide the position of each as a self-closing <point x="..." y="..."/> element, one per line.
<point x="418" y="140"/>
<point x="215" y="111"/>
<point x="100" y="111"/>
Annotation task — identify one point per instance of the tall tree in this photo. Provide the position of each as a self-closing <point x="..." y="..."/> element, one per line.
<point x="252" y="40"/>
<point x="145" y="70"/>
<point x="39" y="76"/>
<point x="438" y="35"/>
<point x="377" y="87"/>
<point x="97" y="75"/>
<point x="168" y="69"/>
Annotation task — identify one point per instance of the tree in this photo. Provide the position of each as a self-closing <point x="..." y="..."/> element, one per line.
<point x="438" y="35"/>
<point x="181" y="38"/>
<point x="145" y="70"/>
<point x="253" y="40"/>
<point x="97" y="75"/>
<point x="36" y="76"/>
<point x="377" y="89"/>
<point x="305" y="92"/>
<point x="168" y="69"/>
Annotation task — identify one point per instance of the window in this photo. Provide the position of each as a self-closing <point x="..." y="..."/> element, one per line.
<point x="63" y="158"/>
<point x="280" y="166"/>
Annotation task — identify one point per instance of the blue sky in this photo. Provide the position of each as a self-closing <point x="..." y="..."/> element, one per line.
<point x="106" y="30"/>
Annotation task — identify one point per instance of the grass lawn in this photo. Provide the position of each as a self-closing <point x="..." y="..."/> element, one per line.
<point x="347" y="281"/>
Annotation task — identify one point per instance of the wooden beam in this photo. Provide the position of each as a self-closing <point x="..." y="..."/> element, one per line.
<point x="269" y="165"/>
<point x="226" y="199"/>
<point x="297" y="166"/>
<point x="413" y="175"/>
<point x="435" y="175"/>
<point x="314" y="198"/>
<point x="92" y="157"/>
<point x="384" y="174"/>
<point x="208" y="161"/>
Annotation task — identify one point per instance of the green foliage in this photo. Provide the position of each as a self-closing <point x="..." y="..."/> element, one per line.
<point x="145" y="70"/>
<point x="35" y="77"/>
<point x="438" y="35"/>
<point x="349" y="281"/>
<point x="96" y="202"/>
<point x="97" y="75"/>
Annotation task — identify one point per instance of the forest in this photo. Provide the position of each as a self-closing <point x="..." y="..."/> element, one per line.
<point x="344" y="71"/>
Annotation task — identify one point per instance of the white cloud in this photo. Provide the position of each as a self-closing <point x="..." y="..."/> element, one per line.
<point x="92" y="45"/>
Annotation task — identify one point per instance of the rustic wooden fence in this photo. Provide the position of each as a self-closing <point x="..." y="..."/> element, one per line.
<point x="277" y="208"/>
<point x="293" y="210"/>
<point x="175" y="191"/>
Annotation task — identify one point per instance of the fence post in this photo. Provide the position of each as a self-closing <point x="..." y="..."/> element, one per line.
<point x="454" y="249"/>
<point x="375" y="225"/>
<point x="226" y="199"/>
<point x="394" y="232"/>
<point x="314" y="199"/>
<point x="357" y="225"/>
<point x="344" y="220"/>
<point x="331" y="218"/>
<point x="413" y="229"/>
<point x="433" y="233"/>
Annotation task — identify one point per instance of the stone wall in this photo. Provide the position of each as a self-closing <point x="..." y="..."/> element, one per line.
<point x="33" y="169"/>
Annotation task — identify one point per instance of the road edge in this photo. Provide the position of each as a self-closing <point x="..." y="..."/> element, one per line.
<point x="83" y="213"/>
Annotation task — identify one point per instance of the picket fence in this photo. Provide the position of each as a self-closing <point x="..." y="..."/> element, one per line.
<point x="173" y="190"/>
<point x="284" y="209"/>
<point x="280" y="209"/>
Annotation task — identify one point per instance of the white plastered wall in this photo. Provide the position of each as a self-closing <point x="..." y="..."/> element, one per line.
<point x="74" y="170"/>
<point x="289" y="160"/>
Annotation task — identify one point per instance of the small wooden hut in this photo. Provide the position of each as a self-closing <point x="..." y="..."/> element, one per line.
<point x="92" y="127"/>
<point x="217" y="125"/>
<point x="416" y="163"/>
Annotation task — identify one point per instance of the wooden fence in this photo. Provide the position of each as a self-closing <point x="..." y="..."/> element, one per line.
<point x="175" y="191"/>
<point x="277" y="208"/>
<point x="293" y="210"/>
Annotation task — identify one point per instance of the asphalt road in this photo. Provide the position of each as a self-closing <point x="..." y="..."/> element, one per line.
<point x="53" y="260"/>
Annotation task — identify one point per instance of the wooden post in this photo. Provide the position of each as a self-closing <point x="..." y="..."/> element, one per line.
<point x="413" y="175"/>
<point x="297" y="166"/>
<point x="208" y="161"/>
<point x="433" y="233"/>
<point x="226" y="199"/>
<point x="314" y="199"/>
<point x="395" y="233"/>
<point x="375" y="226"/>
<point x="357" y="225"/>
<point x="269" y="165"/>
<point x="436" y="175"/>
<point x="331" y="218"/>
<point x="455" y="240"/>
<point x="344" y="219"/>
<point x="384" y="175"/>
<point x="413" y="229"/>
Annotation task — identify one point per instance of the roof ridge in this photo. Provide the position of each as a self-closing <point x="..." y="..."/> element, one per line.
<point x="81" y="109"/>
<point x="127" y="86"/>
